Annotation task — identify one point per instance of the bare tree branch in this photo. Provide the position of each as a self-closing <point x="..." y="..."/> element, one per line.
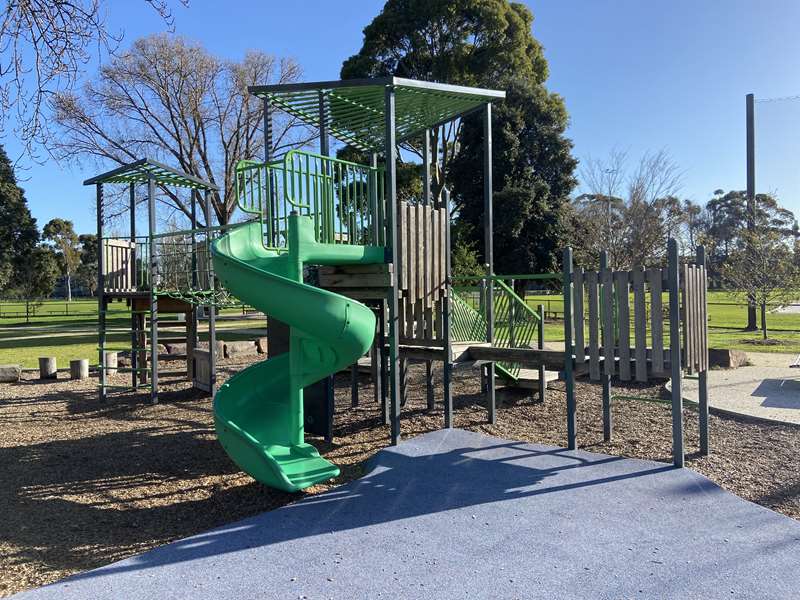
<point x="44" y="45"/>
<point x="169" y="99"/>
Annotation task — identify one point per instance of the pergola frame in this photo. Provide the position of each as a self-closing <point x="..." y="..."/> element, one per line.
<point x="374" y="115"/>
<point x="151" y="172"/>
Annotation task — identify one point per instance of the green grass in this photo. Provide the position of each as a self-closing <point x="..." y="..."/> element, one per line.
<point x="727" y="317"/>
<point x="49" y="333"/>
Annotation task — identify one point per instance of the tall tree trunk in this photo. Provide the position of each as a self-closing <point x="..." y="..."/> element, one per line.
<point x="69" y="287"/>
<point x="764" y="320"/>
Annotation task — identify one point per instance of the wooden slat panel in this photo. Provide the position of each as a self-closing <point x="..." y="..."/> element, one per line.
<point x="685" y="316"/>
<point x="639" y="326"/>
<point x="624" y="324"/>
<point x="704" y="317"/>
<point x="577" y="312"/>
<point x="692" y="321"/>
<point x="592" y="291"/>
<point x="654" y="278"/>
<point x="698" y="325"/>
<point x="439" y="324"/>
<point x="442" y="266"/>
<point x="411" y="251"/>
<point x="401" y="244"/>
<point x="609" y="337"/>
<point x="420" y="251"/>
<point x="436" y="244"/>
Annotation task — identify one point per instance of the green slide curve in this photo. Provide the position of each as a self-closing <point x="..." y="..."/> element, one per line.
<point x="258" y="413"/>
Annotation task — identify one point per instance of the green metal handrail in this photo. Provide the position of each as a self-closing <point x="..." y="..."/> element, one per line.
<point x="515" y="323"/>
<point x="345" y="199"/>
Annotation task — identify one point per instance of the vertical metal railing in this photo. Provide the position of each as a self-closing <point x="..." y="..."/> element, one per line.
<point x="345" y="199"/>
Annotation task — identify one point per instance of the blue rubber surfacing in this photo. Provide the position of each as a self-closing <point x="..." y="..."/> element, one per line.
<point x="456" y="514"/>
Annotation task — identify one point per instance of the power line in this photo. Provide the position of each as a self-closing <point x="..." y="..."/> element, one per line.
<point x="781" y="99"/>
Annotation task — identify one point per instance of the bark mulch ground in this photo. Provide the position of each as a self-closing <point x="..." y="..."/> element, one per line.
<point x="83" y="484"/>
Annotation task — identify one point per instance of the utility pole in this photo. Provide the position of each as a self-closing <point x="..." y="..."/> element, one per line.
<point x="751" y="193"/>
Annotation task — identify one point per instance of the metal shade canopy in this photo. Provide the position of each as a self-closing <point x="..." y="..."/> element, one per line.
<point x="354" y="112"/>
<point x="146" y="169"/>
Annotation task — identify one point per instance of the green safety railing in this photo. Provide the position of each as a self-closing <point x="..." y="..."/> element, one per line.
<point x="515" y="323"/>
<point x="345" y="199"/>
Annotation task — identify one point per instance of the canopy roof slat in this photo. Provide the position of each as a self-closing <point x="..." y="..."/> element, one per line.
<point x="144" y="169"/>
<point x="354" y="108"/>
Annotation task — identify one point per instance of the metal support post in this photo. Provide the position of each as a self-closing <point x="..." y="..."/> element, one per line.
<point x="569" y="351"/>
<point x="673" y="278"/>
<point x="489" y="255"/>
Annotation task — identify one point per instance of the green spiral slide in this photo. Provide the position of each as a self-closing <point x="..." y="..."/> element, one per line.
<point x="258" y="413"/>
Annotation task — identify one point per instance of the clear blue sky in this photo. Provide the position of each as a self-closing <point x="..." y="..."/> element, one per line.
<point x="635" y="75"/>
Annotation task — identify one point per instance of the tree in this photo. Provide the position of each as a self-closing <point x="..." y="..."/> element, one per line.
<point x="468" y="42"/>
<point x="37" y="277"/>
<point x="533" y="175"/>
<point x="61" y="234"/>
<point x="630" y="212"/>
<point x="169" y="99"/>
<point x="484" y="43"/>
<point x="87" y="269"/>
<point x="44" y="45"/>
<point x="762" y="270"/>
<point x="18" y="232"/>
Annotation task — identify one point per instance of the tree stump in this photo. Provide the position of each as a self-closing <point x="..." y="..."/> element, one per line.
<point x="111" y="362"/>
<point x="79" y="369"/>
<point x="48" y="368"/>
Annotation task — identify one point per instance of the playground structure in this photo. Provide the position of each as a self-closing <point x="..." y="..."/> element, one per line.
<point x="157" y="273"/>
<point x="343" y="268"/>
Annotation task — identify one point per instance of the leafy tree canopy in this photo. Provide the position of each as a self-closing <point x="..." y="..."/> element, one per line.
<point x="18" y="232"/>
<point x="533" y="177"/>
<point x="484" y="43"/>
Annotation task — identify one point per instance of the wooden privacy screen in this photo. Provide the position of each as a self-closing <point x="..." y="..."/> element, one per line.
<point x="695" y="318"/>
<point x="119" y="265"/>
<point x="619" y="319"/>
<point x="421" y="268"/>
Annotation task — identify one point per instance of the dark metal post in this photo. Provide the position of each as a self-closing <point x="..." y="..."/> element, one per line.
<point x="673" y="278"/>
<point x="151" y="221"/>
<point x="212" y="310"/>
<point x="488" y="253"/>
<point x="426" y="200"/>
<point x="569" y="376"/>
<point x="752" y="325"/>
<point x="384" y="365"/>
<point x="702" y="376"/>
<point x="135" y="285"/>
<point x="375" y="225"/>
<point x="101" y="297"/>
<point x="542" y="373"/>
<point x="447" y="368"/>
<point x="354" y="384"/>
<point x="271" y="197"/>
<point x="607" y="338"/>
<point x="390" y="153"/>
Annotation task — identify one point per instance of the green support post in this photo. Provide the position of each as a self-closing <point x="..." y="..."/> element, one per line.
<point x="390" y="153"/>
<point x="702" y="376"/>
<point x="673" y="277"/>
<point x="542" y="373"/>
<point x="569" y="376"/>
<point x="608" y="338"/>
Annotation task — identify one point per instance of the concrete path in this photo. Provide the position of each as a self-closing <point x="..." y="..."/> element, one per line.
<point x="768" y="389"/>
<point x="455" y="514"/>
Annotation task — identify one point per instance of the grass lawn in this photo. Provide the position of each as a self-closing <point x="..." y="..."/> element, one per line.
<point x="69" y="330"/>
<point x="53" y="332"/>
<point x="727" y="317"/>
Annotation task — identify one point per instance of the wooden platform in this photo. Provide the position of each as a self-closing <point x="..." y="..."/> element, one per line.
<point x="529" y="378"/>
